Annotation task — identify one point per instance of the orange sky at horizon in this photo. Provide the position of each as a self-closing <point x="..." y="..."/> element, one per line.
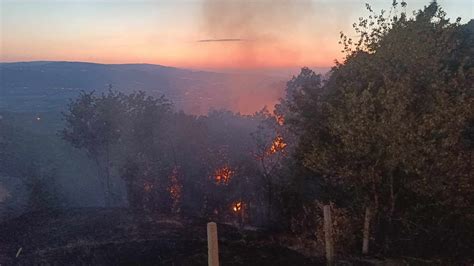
<point x="194" y="55"/>
<point x="258" y="34"/>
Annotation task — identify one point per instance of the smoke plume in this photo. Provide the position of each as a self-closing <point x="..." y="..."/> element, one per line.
<point x="268" y="23"/>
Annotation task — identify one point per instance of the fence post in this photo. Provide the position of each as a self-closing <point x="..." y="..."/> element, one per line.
<point x="212" y="245"/>
<point x="328" y="235"/>
<point x="366" y="232"/>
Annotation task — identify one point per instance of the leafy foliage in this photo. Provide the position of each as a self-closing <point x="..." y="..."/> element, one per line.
<point x="389" y="126"/>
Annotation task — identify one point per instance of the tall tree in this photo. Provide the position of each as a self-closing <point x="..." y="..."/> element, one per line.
<point x="94" y="123"/>
<point x="389" y="123"/>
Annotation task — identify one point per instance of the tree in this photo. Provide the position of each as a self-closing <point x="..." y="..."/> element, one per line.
<point x="388" y="124"/>
<point x="270" y="151"/>
<point x="94" y="123"/>
<point x="147" y="167"/>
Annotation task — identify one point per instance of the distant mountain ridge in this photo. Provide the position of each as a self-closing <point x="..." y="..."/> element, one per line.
<point x="46" y="85"/>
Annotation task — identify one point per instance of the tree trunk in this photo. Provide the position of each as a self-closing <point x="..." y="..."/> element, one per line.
<point x="270" y="201"/>
<point x="107" y="178"/>
<point x="390" y="215"/>
<point x="242" y="214"/>
<point x="101" y="174"/>
<point x="375" y="210"/>
<point x="366" y="232"/>
<point x="328" y="235"/>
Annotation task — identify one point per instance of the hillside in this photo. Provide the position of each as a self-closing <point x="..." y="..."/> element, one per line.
<point x="118" y="237"/>
<point x="46" y="86"/>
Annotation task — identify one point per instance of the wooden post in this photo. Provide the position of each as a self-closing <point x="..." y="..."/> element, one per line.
<point x="366" y="232"/>
<point x="328" y="235"/>
<point x="242" y="215"/>
<point x="212" y="245"/>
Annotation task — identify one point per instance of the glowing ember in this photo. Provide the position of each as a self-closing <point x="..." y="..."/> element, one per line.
<point x="147" y="186"/>
<point x="237" y="207"/>
<point x="175" y="189"/>
<point x="281" y="120"/>
<point x="223" y="175"/>
<point x="277" y="145"/>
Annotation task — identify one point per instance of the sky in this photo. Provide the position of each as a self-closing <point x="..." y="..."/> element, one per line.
<point x="204" y="34"/>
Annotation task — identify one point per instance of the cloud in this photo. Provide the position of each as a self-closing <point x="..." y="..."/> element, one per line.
<point x="223" y="40"/>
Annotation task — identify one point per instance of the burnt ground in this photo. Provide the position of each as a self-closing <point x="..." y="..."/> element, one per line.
<point x="119" y="237"/>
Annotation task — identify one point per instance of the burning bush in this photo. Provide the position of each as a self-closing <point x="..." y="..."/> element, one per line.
<point x="278" y="144"/>
<point x="223" y="175"/>
<point x="237" y="206"/>
<point x="175" y="190"/>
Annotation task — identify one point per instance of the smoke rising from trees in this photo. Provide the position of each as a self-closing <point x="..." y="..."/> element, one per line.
<point x="263" y="22"/>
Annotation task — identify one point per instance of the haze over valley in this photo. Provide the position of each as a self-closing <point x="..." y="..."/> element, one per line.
<point x="46" y="86"/>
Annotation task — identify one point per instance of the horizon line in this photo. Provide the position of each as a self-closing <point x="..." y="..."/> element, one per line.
<point x="169" y="66"/>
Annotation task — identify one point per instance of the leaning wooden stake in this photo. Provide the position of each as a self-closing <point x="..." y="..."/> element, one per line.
<point x="328" y="235"/>
<point x="212" y="245"/>
<point x="366" y="232"/>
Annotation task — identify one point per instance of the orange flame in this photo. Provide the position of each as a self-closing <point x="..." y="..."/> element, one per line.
<point x="223" y="175"/>
<point x="278" y="144"/>
<point x="175" y="187"/>
<point x="237" y="207"/>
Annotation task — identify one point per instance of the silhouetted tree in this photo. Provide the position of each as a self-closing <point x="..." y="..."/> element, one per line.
<point x="388" y="125"/>
<point x="94" y="123"/>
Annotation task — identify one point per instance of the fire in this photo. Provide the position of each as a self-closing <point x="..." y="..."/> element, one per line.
<point x="278" y="144"/>
<point x="223" y="175"/>
<point x="175" y="189"/>
<point x="281" y="120"/>
<point x="237" y="207"/>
